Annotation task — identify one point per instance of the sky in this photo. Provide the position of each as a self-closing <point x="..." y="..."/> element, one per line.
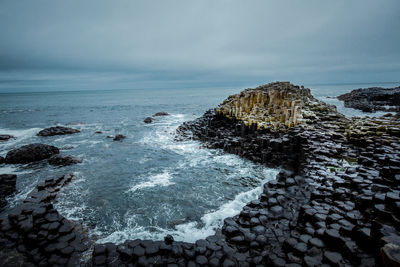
<point x="198" y="43"/>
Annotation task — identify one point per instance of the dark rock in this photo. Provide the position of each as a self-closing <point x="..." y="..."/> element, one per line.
<point x="333" y="258"/>
<point x="168" y="239"/>
<point x="162" y="113"/>
<point x="31" y="153"/>
<point x="5" y="137"/>
<point x="148" y="120"/>
<point x="60" y="160"/>
<point x="139" y="251"/>
<point x="57" y="130"/>
<point x="7" y="185"/>
<point x="202" y="260"/>
<point x="2" y="160"/>
<point x="119" y="137"/>
<point x="390" y="255"/>
<point x="373" y="99"/>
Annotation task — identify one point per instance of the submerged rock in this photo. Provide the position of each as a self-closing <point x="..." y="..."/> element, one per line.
<point x="57" y="130"/>
<point x="119" y="137"/>
<point x="373" y="99"/>
<point x="148" y="120"/>
<point x="7" y="187"/>
<point x="162" y="113"/>
<point x="5" y="137"/>
<point x="2" y="160"/>
<point x="60" y="160"/>
<point x="31" y="153"/>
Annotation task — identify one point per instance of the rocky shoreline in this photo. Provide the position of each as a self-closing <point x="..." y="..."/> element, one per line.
<point x="335" y="202"/>
<point x="373" y="99"/>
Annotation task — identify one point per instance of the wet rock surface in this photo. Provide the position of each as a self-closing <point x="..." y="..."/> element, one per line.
<point x="60" y="160"/>
<point x="161" y="113"/>
<point x="31" y="153"/>
<point x="373" y="99"/>
<point x="57" y="130"/>
<point x="35" y="234"/>
<point x="7" y="187"/>
<point x="5" y="137"/>
<point x="336" y="201"/>
<point x="148" y="120"/>
<point x="119" y="137"/>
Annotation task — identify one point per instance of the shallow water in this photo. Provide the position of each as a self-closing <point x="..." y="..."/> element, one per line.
<point x="146" y="186"/>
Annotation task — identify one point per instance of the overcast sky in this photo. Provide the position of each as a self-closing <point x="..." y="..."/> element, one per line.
<point x="223" y="42"/>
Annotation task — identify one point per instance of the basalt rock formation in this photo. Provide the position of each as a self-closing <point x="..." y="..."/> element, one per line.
<point x="59" y="160"/>
<point x="57" y="130"/>
<point x="31" y="153"/>
<point x="35" y="234"/>
<point x="339" y="206"/>
<point x="373" y="99"/>
<point x="7" y="187"/>
<point x="274" y="107"/>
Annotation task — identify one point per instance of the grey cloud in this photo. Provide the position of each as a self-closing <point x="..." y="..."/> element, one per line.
<point x="218" y="40"/>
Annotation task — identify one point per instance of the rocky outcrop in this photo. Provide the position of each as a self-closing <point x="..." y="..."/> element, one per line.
<point x="57" y="130"/>
<point x="340" y="204"/>
<point x="31" y="153"/>
<point x="161" y="113"/>
<point x="275" y="107"/>
<point x="148" y="120"/>
<point x="35" y="234"/>
<point x="5" y="137"/>
<point x="60" y="160"/>
<point x="7" y="187"/>
<point x="373" y="99"/>
<point x="119" y="137"/>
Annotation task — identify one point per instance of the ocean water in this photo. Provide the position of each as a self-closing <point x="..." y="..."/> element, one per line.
<point x="147" y="185"/>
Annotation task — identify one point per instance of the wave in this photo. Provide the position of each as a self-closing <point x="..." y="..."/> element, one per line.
<point x="190" y="231"/>
<point x="162" y="179"/>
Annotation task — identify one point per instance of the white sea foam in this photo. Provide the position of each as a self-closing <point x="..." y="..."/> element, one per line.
<point x="13" y="169"/>
<point x="191" y="231"/>
<point x="20" y="136"/>
<point x="161" y="179"/>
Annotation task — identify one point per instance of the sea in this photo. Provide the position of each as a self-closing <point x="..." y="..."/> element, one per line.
<point x="147" y="185"/>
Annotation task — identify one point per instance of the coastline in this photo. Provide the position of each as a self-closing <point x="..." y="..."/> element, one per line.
<point x="336" y="200"/>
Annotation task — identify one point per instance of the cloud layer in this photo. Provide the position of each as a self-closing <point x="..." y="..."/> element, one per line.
<point x="222" y="40"/>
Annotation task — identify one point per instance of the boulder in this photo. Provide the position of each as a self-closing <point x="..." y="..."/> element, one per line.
<point x="57" y="130"/>
<point x="148" y="120"/>
<point x="5" y="137"/>
<point x="119" y="137"/>
<point x="162" y="113"/>
<point x="31" y="153"/>
<point x="2" y="160"/>
<point x="59" y="160"/>
<point x="7" y="187"/>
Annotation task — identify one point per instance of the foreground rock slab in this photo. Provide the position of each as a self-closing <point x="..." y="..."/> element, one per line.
<point x="57" y="130"/>
<point x="31" y="153"/>
<point x="35" y="234"/>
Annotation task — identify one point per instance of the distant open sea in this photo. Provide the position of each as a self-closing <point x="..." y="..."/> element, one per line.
<point x="148" y="185"/>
